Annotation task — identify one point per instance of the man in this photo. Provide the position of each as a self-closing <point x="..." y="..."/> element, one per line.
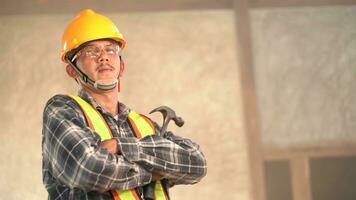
<point x="94" y="147"/>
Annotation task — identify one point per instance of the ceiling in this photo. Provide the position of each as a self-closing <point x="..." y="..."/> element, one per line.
<point x="13" y="7"/>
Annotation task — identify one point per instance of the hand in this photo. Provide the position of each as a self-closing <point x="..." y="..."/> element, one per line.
<point x="111" y="146"/>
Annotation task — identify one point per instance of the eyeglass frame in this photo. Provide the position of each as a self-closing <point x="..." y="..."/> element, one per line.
<point x="99" y="51"/>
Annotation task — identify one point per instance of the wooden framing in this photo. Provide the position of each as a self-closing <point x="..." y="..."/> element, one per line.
<point x="298" y="156"/>
<point x="249" y="99"/>
<point x="300" y="178"/>
<point x="309" y="151"/>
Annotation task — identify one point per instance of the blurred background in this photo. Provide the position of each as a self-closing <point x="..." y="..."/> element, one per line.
<point x="266" y="87"/>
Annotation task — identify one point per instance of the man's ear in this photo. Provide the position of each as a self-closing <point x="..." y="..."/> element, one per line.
<point x="122" y="67"/>
<point x="71" y="72"/>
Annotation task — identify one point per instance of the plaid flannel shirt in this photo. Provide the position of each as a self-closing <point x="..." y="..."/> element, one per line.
<point x="74" y="166"/>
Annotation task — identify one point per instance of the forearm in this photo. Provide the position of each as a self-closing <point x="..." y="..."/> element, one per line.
<point x="93" y="168"/>
<point x="174" y="158"/>
<point x="191" y="160"/>
<point x="76" y="158"/>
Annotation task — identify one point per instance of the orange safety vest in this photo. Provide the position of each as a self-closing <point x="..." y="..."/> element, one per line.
<point x="142" y="127"/>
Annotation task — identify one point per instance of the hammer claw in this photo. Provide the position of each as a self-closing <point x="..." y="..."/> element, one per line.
<point x="168" y="114"/>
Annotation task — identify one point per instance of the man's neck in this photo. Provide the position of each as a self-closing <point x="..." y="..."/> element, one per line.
<point x="107" y="99"/>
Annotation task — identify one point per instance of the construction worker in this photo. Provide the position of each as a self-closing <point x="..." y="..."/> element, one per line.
<point x="95" y="147"/>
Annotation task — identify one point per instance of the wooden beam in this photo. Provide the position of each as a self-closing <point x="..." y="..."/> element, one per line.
<point x="249" y="98"/>
<point x="311" y="151"/>
<point x="300" y="173"/>
<point x="12" y="7"/>
<point x="298" y="3"/>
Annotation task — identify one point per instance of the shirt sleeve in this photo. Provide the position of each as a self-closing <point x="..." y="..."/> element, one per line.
<point x="75" y="156"/>
<point x="175" y="158"/>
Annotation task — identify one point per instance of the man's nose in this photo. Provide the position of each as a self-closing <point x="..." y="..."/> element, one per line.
<point x="103" y="57"/>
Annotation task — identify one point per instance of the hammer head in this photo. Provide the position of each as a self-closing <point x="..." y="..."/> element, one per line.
<point x="168" y="114"/>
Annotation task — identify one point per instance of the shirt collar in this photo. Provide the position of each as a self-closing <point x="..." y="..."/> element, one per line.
<point x="123" y="109"/>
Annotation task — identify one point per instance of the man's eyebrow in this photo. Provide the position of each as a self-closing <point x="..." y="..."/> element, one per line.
<point x="93" y="45"/>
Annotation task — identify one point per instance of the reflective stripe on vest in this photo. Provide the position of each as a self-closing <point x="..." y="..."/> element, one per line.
<point x="94" y="119"/>
<point x="142" y="127"/>
<point x="160" y="194"/>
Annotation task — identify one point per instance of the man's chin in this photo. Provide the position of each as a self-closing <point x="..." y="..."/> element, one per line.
<point x="106" y="81"/>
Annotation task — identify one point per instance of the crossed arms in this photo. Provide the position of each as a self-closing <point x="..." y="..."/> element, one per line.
<point x="77" y="158"/>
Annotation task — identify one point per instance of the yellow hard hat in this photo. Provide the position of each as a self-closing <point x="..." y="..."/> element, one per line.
<point x="89" y="26"/>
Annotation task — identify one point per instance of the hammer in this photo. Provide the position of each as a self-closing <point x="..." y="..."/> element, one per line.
<point x="168" y="115"/>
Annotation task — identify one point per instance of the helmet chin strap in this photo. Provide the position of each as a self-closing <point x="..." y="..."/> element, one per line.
<point x="99" y="85"/>
<point x="105" y="86"/>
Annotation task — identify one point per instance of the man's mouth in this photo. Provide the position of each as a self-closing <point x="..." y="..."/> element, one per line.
<point x="105" y="68"/>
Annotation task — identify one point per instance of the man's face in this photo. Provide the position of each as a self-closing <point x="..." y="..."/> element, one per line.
<point x="100" y="60"/>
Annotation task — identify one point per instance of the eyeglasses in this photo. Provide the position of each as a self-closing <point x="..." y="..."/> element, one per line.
<point x="95" y="51"/>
